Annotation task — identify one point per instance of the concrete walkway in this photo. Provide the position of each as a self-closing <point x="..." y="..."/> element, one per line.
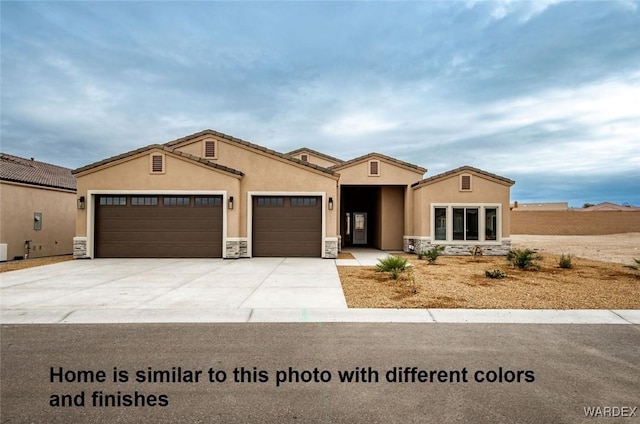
<point x="245" y="290"/>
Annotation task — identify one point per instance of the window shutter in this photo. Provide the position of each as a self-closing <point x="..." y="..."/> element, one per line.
<point x="156" y="163"/>
<point x="465" y="182"/>
<point x="210" y="149"/>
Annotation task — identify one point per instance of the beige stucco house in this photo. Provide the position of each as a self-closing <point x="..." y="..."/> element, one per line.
<point x="213" y="195"/>
<point x="37" y="208"/>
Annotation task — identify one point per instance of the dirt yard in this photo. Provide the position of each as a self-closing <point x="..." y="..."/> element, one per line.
<point x="29" y="263"/>
<point x="460" y="282"/>
<point x="620" y="248"/>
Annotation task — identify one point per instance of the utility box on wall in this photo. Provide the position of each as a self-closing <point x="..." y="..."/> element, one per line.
<point x="3" y="252"/>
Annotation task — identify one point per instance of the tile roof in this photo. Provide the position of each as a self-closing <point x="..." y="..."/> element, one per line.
<point x="29" y="171"/>
<point x="608" y="206"/>
<point x="160" y="147"/>
<point x="380" y="155"/>
<point x="250" y="145"/>
<point x="463" y="169"/>
<point x="315" y="152"/>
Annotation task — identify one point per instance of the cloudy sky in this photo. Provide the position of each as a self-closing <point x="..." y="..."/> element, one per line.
<point x="546" y="93"/>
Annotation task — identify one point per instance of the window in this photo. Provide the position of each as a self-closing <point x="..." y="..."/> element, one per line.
<point x="144" y="201"/>
<point x="113" y="201"/>
<point x="491" y="225"/>
<point x="207" y="201"/>
<point x="474" y="223"/>
<point x="210" y="150"/>
<point x="465" y="182"/>
<point x="37" y="221"/>
<point x="304" y="201"/>
<point x="441" y="223"/>
<point x="304" y="158"/>
<point x="175" y="201"/>
<point x="374" y="168"/>
<point x="157" y="164"/>
<point x="270" y="201"/>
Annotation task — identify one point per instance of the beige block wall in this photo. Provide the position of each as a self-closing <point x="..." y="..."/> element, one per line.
<point x="181" y="174"/>
<point x="17" y="206"/>
<point x="448" y="191"/>
<point x="574" y="222"/>
<point x="268" y="173"/>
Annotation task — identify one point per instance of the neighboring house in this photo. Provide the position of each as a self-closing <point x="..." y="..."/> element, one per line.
<point x="37" y="208"/>
<point x="608" y="206"/>
<point x="213" y="195"/>
<point x="548" y="206"/>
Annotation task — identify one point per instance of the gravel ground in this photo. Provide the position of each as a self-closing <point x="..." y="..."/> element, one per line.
<point x="620" y="248"/>
<point x="29" y="263"/>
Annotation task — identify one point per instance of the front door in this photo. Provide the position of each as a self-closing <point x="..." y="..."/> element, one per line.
<point x="359" y="228"/>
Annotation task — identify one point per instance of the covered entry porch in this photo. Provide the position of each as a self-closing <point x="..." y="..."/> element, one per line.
<point x="372" y="216"/>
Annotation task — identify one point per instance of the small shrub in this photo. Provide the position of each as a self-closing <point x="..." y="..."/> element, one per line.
<point x="524" y="259"/>
<point x="635" y="267"/>
<point x="433" y="254"/>
<point x="394" y="265"/>
<point x="495" y="273"/>
<point x="476" y="251"/>
<point x="565" y="261"/>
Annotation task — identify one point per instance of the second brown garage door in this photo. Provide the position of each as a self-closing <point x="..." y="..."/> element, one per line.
<point x="287" y="226"/>
<point x="158" y="226"/>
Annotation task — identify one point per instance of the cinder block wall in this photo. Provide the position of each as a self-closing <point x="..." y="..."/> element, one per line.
<point x="574" y="223"/>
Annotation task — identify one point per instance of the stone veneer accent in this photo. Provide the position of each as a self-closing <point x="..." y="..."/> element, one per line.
<point x="415" y="244"/>
<point x="236" y="248"/>
<point x="80" y="247"/>
<point x="331" y="247"/>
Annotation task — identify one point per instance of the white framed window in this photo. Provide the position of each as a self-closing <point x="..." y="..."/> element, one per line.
<point x="157" y="163"/>
<point x="374" y="168"/>
<point x="210" y="149"/>
<point x="464" y="223"/>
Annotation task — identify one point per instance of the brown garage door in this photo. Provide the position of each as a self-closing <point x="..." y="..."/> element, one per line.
<point x="158" y="226"/>
<point x="287" y="226"/>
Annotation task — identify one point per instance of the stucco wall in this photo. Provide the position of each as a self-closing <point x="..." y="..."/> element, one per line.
<point x="448" y="191"/>
<point x="315" y="159"/>
<point x="58" y="208"/>
<point x="392" y="218"/>
<point x="267" y="173"/>
<point x="574" y="222"/>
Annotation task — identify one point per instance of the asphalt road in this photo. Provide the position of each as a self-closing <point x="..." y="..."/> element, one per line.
<point x="550" y="373"/>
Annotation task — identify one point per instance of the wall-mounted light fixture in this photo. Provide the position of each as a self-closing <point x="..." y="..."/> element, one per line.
<point x="230" y="205"/>
<point x="81" y="202"/>
<point x="330" y="203"/>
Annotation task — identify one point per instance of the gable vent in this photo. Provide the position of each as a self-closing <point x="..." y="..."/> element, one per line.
<point x="465" y="182"/>
<point x="210" y="149"/>
<point x="156" y="163"/>
<point x="304" y="158"/>
<point x="374" y="167"/>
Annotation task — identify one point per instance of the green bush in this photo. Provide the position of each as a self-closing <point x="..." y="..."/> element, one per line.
<point x="524" y="259"/>
<point x="635" y="267"/>
<point x="432" y="254"/>
<point x="565" y="261"/>
<point x="495" y="273"/>
<point x="394" y="265"/>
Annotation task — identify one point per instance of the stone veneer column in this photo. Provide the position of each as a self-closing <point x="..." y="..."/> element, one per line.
<point x="80" y="247"/>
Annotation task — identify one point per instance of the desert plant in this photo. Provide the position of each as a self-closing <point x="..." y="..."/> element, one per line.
<point x="565" y="261"/>
<point x="394" y="265"/>
<point x="495" y="273"/>
<point x="476" y="251"/>
<point x="433" y="254"/>
<point x="635" y="267"/>
<point x="524" y="259"/>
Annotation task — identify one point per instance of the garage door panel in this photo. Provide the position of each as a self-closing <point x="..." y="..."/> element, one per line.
<point x="159" y="231"/>
<point x="282" y="229"/>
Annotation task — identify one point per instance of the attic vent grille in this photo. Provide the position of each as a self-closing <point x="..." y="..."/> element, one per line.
<point x="210" y="149"/>
<point x="304" y="158"/>
<point x="465" y="182"/>
<point x="374" y="167"/>
<point x="156" y="163"/>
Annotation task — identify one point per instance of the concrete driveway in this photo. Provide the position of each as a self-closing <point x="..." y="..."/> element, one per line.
<point x="108" y="290"/>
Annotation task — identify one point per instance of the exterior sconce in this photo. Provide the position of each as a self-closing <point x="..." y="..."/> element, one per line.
<point x="230" y="205"/>
<point x="81" y="202"/>
<point x="330" y="203"/>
